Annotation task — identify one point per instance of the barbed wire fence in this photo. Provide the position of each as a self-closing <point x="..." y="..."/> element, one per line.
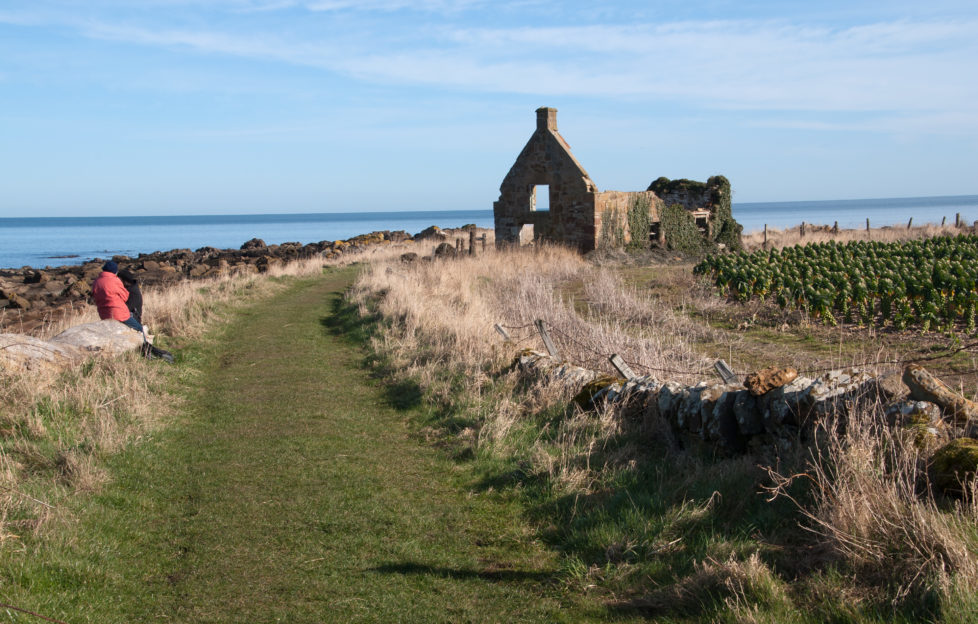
<point x="540" y="330"/>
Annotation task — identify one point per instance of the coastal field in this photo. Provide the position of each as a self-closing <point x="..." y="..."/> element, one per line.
<point x="617" y="518"/>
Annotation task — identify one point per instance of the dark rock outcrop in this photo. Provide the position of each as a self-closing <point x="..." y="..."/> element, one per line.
<point x="32" y="295"/>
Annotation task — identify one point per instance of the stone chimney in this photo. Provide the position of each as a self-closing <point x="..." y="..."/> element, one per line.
<point x="547" y="119"/>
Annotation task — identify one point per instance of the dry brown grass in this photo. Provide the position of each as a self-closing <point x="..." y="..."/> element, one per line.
<point x="441" y="317"/>
<point x="778" y="238"/>
<point x="874" y="508"/>
<point x="869" y="505"/>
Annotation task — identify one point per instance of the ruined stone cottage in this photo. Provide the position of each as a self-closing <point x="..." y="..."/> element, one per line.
<point x="547" y="195"/>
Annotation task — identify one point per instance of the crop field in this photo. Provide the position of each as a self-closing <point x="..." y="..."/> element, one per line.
<point x="931" y="284"/>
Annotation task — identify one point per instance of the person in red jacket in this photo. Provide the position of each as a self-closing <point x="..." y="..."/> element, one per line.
<point x="111" y="296"/>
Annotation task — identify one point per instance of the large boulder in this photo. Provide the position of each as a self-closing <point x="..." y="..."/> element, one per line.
<point x="433" y="233"/>
<point x="108" y="336"/>
<point x="445" y="250"/>
<point x="20" y="352"/>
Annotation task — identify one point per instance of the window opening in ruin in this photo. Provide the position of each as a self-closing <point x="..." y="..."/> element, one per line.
<point x="702" y="225"/>
<point x="542" y="194"/>
<point x="654" y="233"/>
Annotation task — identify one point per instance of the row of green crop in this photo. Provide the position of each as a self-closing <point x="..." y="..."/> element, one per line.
<point x="932" y="283"/>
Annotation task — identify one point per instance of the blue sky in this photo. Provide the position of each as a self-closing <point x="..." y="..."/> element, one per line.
<point x="241" y="106"/>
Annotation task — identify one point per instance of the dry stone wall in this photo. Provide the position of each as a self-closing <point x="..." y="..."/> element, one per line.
<point x="734" y="419"/>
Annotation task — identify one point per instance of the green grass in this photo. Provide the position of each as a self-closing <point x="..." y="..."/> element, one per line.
<point x="290" y="489"/>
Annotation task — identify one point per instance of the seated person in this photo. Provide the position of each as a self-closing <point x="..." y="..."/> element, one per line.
<point x="111" y="296"/>
<point x="135" y="300"/>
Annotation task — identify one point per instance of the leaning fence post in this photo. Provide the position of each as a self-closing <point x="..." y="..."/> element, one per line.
<point x="547" y="342"/>
<point x="909" y="223"/>
<point x="725" y="373"/>
<point x="620" y="366"/>
<point x="502" y="332"/>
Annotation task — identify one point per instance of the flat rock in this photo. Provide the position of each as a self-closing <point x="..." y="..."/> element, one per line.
<point x="106" y="336"/>
<point x="20" y="352"/>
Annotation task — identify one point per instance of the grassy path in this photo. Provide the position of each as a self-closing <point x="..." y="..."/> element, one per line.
<point x="293" y="492"/>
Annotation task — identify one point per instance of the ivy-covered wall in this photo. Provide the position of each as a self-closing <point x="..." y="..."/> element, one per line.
<point x="680" y="231"/>
<point x="713" y="195"/>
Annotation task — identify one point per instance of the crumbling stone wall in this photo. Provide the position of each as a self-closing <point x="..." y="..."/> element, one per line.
<point x="709" y="204"/>
<point x="777" y="408"/>
<point x="611" y="212"/>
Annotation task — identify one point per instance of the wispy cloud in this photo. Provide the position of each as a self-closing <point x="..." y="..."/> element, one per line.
<point x="894" y="66"/>
<point x="440" y="6"/>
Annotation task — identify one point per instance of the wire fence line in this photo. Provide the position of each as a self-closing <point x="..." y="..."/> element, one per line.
<point x="600" y="355"/>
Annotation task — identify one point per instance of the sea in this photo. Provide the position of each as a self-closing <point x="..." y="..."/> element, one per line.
<point x="52" y="241"/>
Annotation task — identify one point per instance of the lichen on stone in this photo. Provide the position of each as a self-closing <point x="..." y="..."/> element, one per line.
<point x="955" y="464"/>
<point x="585" y="398"/>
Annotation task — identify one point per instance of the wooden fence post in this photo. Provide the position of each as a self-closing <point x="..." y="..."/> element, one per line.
<point x="909" y="223"/>
<point x="765" y="236"/>
<point x="725" y="373"/>
<point x="620" y="366"/>
<point x="867" y="224"/>
<point x="957" y="219"/>
<point x="547" y="342"/>
<point x="502" y="332"/>
<point x="801" y="230"/>
<point x="483" y="237"/>
<point x="471" y="242"/>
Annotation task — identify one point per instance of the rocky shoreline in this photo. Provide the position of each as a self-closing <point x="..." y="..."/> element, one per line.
<point x="31" y="297"/>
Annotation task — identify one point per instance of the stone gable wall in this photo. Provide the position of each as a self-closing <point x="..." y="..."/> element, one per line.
<point x="547" y="160"/>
